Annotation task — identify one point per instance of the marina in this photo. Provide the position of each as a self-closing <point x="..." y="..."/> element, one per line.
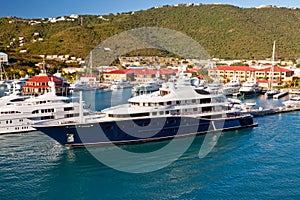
<point x="149" y="100"/>
<point x="250" y="158"/>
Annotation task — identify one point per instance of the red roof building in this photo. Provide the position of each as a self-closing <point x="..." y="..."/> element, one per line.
<point x="38" y="85"/>
<point x="245" y="72"/>
<point x="144" y="74"/>
<point x="138" y="74"/>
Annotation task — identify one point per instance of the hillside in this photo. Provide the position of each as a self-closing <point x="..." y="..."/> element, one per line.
<point x="225" y="31"/>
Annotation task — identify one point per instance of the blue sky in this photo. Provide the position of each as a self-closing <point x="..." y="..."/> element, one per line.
<point x="55" y="8"/>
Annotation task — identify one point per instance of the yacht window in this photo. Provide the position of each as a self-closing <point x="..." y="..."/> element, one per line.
<point x="194" y="101"/>
<point x="167" y="112"/>
<point x="161" y="112"/>
<point x="68" y="108"/>
<point x="154" y="113"/>
<point x="35" y="111"/>
<point x="47" y="117"/>
<point x="203" y="101"/>
<point x="169" y="103"/>
<point x="207" y="109"/>
<point x="139" y="114"/>
<point x="178" y="102"/>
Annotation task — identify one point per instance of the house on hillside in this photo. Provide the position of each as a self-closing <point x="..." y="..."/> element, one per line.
<point x="3" y="57"/>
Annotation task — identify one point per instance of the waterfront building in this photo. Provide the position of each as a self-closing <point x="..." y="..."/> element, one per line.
<point x="38" y="85"/>
<point x="245" y="72"/>
<point x="144" y="74"/>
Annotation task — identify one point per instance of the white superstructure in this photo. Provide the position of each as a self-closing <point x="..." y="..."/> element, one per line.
<point x="18" y="113"/>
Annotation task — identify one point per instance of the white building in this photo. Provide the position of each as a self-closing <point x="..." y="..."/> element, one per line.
<point x="3" y="57"/>
<point x="74" y="16"/>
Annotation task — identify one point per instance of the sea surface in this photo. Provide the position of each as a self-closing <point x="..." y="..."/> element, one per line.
<point x="253" y="163"/>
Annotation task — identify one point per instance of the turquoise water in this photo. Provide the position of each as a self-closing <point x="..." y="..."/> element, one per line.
<point x="261" y="162"/>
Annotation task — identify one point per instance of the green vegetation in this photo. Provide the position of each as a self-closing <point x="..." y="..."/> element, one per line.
<point x="224" y="31"/>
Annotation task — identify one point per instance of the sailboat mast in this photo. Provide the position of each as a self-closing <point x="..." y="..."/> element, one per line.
<point x="272" y="68"/>
<point x="1" y="71"/>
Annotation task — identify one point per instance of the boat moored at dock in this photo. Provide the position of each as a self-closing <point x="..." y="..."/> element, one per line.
<point x="18" y="113"/>
<point x="176" y="110"/>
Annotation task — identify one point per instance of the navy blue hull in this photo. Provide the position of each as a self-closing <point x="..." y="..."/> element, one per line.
<point x="141" y="130"/>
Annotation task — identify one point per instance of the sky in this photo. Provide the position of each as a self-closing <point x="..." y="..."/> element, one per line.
<point x="56" y="8"/>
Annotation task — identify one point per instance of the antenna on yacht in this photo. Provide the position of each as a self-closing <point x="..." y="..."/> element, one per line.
<point x="52" y="86"/>
<point x="80" y="107"/>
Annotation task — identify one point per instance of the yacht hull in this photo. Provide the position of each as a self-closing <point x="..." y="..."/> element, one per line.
<point x="140" y="130"/>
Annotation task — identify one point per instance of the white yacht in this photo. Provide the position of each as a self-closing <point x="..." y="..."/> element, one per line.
<point x="232" y="87"/>
<point x="294" y="101"/>
<point x="18" y="113"/>
<point x="250" y="87"/>
<point x="176" y="110"/>
<point x="147" y="88"/>
<point x="15" y="96"/>
<point x="120" y="84"/>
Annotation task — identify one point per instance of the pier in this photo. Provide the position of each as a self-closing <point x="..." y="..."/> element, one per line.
<point x="281" y="94"/>
<point x="272" y="111"/>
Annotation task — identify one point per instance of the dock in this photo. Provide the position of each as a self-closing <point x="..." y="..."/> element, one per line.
<point x="281" y="94"/>
<point x="272" y="111"/>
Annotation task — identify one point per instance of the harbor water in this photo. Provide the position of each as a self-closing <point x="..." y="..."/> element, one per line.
<point x="252" y="163"/>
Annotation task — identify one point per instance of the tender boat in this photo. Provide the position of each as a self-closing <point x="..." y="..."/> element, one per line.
<point x="176" y="110"/>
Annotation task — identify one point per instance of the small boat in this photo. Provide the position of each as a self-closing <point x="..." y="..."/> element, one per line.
<point x="120" y="84"/>
<point x="175" y="110"/>
<point x="147" y="88"/>
<point x="271" y="92"/>
<point x="250" y="88"/>
<point x="232" y="87"/>
<point x="250" y="108"/>
<point x="294" y="101"/>
<point x="80" y="86"/>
